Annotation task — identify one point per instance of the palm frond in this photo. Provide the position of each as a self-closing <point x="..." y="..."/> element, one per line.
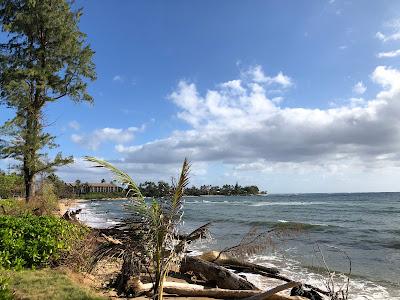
<point x="176" y="200"/>
<point x="133" y="190"/>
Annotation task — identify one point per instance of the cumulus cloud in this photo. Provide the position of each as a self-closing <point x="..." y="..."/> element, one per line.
<point x="93" y="140"/>
<point x="394" y="53"/>
<point x="237" y="123"/>
<point x="359" y="88"/>
<point x="257" y="75"/>
<point x="83" y="170"/>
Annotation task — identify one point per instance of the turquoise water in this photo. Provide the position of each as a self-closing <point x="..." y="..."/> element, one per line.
<point x="365" y="225"/>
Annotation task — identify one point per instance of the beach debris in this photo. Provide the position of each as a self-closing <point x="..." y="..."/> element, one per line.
<point x="71" y="215"/>
<point x="196" y="290"/>
<point x="236" y="264"/>
<point x="268" y="294"/>
<point x="309" y="294"/>
<point x="216" y="274"/>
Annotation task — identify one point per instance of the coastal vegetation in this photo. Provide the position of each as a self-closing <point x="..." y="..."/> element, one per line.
<point x="45" y="59"/>
<point x="29" y="241"/>
<point x="43" y="284"/>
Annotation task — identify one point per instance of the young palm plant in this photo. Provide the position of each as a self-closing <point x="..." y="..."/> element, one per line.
<point x="156" y="244"/>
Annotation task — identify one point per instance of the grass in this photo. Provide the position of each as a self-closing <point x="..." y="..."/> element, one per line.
<point x="46" y="284"/>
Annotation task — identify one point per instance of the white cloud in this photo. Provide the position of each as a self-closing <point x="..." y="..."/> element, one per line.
<point x="76" y="138"/>
<point x="394" y="53"/>
<point x="259" y="76"/>
<point x="394" y="35"/>
<point x="93" y="140"/>
<point x="359" y="88"/>
<point x="74" y="125"/>
<point x="238" y="124"/>
<point x="388" y="37"/>
<point x="118" y="78"/>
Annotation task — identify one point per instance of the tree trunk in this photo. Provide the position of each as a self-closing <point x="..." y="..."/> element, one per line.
<point x="221" y="276"/>
<point x="195" y="290"/>
<point x="31" y="137"/>
<point x="29" y="184"/>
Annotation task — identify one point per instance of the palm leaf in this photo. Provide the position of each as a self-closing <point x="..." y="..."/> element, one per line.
<point x="176" y="200"/>
<point x="133" y="190"/>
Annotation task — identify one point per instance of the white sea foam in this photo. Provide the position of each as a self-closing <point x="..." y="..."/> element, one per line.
<point x="359" y="289"/>
<point x="89" y="217"/>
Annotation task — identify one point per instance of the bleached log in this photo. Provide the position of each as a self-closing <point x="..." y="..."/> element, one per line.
<point x="222" y="277"/>
<point x="267" y="295"/>
<point x="195" y="290"/>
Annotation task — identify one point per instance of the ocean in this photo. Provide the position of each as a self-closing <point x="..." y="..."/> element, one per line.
<point x="364" y="225"/>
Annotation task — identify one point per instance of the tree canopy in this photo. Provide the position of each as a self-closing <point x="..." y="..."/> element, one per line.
<point x="44" y="59"/>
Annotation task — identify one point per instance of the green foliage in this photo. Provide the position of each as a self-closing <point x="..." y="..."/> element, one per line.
<point x="45" y="202"/>
<point x="46" y="284"/>
<point x="61" y="189"/>
<point x="44" y="59"/>
<point x="30" y="241"/>
<point x="46" y="199"/>
<point x="10" y="185"/>
<point x="163" y="189"/>
<point x="14" y="207"/>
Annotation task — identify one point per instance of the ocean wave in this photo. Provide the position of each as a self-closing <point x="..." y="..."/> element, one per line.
<point x="285" y="203"/>
<point x="297" y="225"/>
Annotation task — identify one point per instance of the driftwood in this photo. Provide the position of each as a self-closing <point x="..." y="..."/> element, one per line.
<point x="247" y="267"/>
<point x="222" y="277"/>
<point x="275" y="290"/>
<point x="195" y="290"/>
<point x="226" y="260"/>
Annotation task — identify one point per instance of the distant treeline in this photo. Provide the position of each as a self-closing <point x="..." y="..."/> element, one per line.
<point x="11" y="185"/>
<point x="160" y="189"/>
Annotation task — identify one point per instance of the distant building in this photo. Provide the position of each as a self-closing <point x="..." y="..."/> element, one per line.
<point x="85" y="188"/>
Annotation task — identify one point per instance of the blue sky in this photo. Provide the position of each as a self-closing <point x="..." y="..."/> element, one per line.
<point x="294" y="96"/>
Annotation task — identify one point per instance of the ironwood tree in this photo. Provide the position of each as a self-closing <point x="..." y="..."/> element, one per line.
<point x="44" y="57"/>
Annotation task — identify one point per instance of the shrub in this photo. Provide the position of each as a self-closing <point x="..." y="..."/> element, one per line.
<point x="45" y="202"/>
<point x="45" y="199"/>
<point x="30" y="241"/>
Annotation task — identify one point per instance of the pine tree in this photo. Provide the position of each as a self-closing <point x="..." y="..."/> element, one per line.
<point x="45" y="59"/>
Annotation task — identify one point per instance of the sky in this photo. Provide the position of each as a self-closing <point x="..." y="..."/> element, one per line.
<point x="293" y="96"/>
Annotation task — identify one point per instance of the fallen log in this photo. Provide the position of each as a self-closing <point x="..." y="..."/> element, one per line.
<point x="247" y="267"/>
<point x="275" y="276"/>
<point x="275" y="290"/>
<point x="222" y="277"/>
<point x="226" y="260"/>
<point x="195" y="290"/>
